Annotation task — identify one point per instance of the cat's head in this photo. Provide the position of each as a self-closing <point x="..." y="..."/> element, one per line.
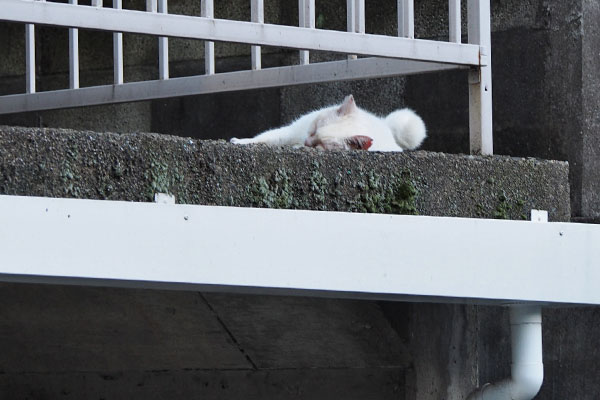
<point x="335" y="129"/>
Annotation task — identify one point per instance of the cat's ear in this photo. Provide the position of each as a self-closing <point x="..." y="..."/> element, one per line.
<point x="347" y="107"/>
<point x="359" y="142"/>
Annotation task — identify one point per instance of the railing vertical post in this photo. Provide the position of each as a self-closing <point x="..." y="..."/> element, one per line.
<point x="163" y="47"/>
<point x="257" y="11"/>
<point x="306" y="19"/>
<point x="350" y="15"/>
<point x="118" y="50"/>
<point x="152" y="6"/>
<point x="73" y="55"/>
<point x="355" y="17"/>
<point x="360" y="16"/>
<point x="207" y="11"/>
<point x="30" y="58"/>
<point x="454" y="21"/>
<point x="406" y="19"/>
<point x="97" y="3"/>
<point x="480" y="79"/>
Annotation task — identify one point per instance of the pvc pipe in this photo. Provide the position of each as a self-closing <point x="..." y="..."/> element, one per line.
<point x="527" y="370"/>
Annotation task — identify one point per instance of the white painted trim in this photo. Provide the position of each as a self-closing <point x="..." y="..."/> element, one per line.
<point x="202" y="84"/>
<point x="292" y="252"/>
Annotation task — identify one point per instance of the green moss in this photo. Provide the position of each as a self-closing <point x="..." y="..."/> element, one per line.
<point x="479" y="210"/>
<point x="503" y="207"/>
<point x="275" y="192"/>
<point x="163" y="178"/>
<point x="394" y="196"/>
<point x="509" y="208"/>
<point x="67" y="174"/>
<point x="117" y="170"/>
<point x="318" y="188"/>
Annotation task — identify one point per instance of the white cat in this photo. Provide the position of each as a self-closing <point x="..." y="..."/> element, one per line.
<point x="347" y="126"/>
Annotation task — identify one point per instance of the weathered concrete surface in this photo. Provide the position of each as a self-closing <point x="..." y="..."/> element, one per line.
<point x="301" y="333"/>
<point x="590" y="180"/>
<point x="443" y="342"/>
<point x="100" y="329"/>
<point x="305" y="384"/>
<point x="63" y="163"/>
<point x="61" y="342"/>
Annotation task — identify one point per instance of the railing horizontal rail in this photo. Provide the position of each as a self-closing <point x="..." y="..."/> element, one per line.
<point x="189" y="27"/>
<point x="201" y="84"/>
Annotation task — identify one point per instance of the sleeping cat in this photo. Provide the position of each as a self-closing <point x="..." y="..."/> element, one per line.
<point x="347" y="126"/>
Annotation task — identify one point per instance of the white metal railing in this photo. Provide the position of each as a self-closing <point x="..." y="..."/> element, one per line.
<point x="381" y="56"/>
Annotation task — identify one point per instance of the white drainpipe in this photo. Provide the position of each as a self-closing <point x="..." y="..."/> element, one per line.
<point x="527" y="370"/>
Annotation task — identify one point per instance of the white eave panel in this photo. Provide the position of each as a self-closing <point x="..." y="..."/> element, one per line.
<point x="294" y="252"/>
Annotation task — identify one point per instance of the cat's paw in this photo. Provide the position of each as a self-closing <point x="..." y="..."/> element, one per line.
<point x="240" y="141"/>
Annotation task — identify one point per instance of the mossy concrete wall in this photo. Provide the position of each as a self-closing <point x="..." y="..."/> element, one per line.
<point x="66" y="163"/>
<point x="89" y="343"/>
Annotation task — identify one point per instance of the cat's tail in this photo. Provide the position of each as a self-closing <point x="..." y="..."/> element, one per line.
<point x="408" y="128"/>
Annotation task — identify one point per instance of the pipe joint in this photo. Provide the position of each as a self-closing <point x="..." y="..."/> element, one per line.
<point x="527" y="369"/>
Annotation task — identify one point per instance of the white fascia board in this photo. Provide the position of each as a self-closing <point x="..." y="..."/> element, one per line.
<point x="223" y="82"/>
<point x="171" y="25"/>
<point x="370" y="256"/>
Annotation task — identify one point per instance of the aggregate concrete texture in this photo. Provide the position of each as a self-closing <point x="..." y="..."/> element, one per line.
<point x="545" y="78"/>
<point x="85" y="164"/>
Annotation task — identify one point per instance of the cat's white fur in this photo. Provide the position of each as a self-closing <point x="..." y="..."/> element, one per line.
<point x="347" y="126"/>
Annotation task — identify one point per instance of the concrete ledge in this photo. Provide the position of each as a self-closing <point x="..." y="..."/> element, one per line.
<point x="66" y="163"/>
